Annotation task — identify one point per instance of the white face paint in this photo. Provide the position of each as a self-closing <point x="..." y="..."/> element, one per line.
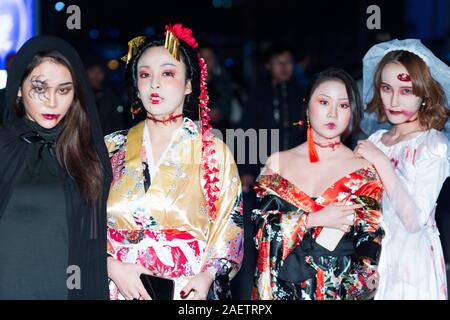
<point x="162" y="82"/>
<point x="396" y="91"/>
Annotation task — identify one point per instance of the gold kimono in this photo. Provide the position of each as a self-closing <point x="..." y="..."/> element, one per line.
<point x="161" y="221"/>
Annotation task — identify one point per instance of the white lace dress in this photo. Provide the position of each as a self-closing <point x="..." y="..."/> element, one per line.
<point x="411" y="264"/>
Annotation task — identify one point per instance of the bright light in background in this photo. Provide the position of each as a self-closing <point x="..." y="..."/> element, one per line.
<point x="3" y="77"/>
<point x="229" y="62"/>
<point x="227" y="4"/>
<point x="59" y="6"/>
<point x="94" y="34"/>
<point x="113" y="64"/>
<point x="17" y="18"/>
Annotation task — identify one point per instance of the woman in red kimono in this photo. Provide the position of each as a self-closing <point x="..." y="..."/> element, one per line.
<point x="301" y="197"/>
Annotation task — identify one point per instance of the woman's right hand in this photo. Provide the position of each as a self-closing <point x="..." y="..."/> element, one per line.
<point x="126" y="276"/>
<point x="336" y="215"/>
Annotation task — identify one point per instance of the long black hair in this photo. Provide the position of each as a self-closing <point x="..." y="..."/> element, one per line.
<point x="188" y="55"/>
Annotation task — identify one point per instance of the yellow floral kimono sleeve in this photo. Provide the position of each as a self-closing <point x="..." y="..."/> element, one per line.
<point x="225" y="249"/>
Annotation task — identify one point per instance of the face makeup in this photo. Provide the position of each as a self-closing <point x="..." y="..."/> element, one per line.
<point x="162" y="83"/>
<point x="329" y="111"/>
<point x="49" y="116"/>
<point x="396" y="92"/>
<point x="47" y="93"/>
<point x="407" y="114"/>
<point x="404" y="77"/>
<point x="155" y="98"/>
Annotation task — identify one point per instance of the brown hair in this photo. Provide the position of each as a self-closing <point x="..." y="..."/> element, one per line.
<point x="73" y="147"/>
<point x="434" y="113"/>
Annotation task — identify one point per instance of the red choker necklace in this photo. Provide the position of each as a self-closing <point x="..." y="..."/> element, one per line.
<point x="165" y="121"/>
<point x="331" y="145"/>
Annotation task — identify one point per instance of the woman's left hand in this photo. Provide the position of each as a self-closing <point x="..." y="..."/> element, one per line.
<point x="200" y="284"/>
<point x="367" y="150"/>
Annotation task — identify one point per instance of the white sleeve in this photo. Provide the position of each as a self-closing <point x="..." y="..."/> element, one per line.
<point x="415" y="194"/>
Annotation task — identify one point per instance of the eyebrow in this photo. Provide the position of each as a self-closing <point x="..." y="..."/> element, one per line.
<point x="45" y="82"/>
<point x="65" y="83"/>
<point x="164" y="64"/>
<point x="323" y="94"/>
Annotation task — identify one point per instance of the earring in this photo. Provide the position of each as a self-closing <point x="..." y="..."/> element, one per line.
<point x="299" y="123"/>
<point x="313" y="156"/>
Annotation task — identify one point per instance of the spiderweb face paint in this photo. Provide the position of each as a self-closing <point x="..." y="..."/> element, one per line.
<point x="38" y="90"/>
<point x="404" y="77"/>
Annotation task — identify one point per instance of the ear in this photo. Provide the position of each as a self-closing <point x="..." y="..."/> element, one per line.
<point x="188" y="87"/>
<point x="19" y="92"/>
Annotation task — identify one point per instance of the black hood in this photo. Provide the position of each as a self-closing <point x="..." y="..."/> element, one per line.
<point x="15" y="74"/>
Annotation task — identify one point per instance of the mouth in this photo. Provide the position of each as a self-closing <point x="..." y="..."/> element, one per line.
<point x="155" y="98"/>
<point x="330" y="125"/>
<point x="395" y="113"/>
<point x="49" y="116"/>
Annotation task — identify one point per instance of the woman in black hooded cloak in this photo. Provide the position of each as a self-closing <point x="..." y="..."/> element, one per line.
<point x="54" y="179"/>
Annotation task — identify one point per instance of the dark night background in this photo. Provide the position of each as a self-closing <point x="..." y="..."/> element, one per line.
<point x="333" y="32"/>
<point x="327" y="33"/>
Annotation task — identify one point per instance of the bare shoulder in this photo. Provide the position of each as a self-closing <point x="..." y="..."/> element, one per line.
<point x="294" y="157"/>
<point x="351" y="161"/>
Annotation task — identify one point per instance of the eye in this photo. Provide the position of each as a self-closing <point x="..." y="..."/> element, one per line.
<point x="323" y="102"/>
<point x="64" y="90"/>
<point x="385" y="88"/>
<point x="39" y="89"/>
<point x="168" y="74"/>
<point x="344" y="106"/>
<point x="407" y="91"/>
<point x="144" y="75"/>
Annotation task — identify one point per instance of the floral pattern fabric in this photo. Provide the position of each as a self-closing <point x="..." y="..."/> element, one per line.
<point x="280" y="232"/>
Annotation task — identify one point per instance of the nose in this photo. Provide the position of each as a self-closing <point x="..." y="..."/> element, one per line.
<point x="332" y="112"/>
<point x="51" y="99"/>
<point x="394" y="99"/>
<point x="154" y="84"/>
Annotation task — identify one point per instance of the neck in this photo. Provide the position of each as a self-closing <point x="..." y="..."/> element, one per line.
<point x="326" y="147"/>
<point x="160" y="129"/>
<point x="406" y="128"/>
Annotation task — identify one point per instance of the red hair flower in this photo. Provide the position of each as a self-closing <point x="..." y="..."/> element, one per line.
<point x="183" y="33"/>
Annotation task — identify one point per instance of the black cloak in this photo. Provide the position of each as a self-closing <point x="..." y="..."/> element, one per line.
<point x="86" y="223"/>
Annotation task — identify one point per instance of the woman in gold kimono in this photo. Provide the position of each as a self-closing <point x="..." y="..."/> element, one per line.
<point x="175" y="208"/>
<point x="305" y="203"/>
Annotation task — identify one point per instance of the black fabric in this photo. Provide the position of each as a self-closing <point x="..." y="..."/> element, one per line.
<point x="33" y="229"/>
<point x="86" y="224"/>
<point x="295" y="269"/>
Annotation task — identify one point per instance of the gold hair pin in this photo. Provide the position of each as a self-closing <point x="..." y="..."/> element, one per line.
<point x="172" y="44"/>
<point x="133" y="46"/>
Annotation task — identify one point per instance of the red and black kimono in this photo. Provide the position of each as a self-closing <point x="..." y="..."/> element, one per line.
<point x="291" y="265"/>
